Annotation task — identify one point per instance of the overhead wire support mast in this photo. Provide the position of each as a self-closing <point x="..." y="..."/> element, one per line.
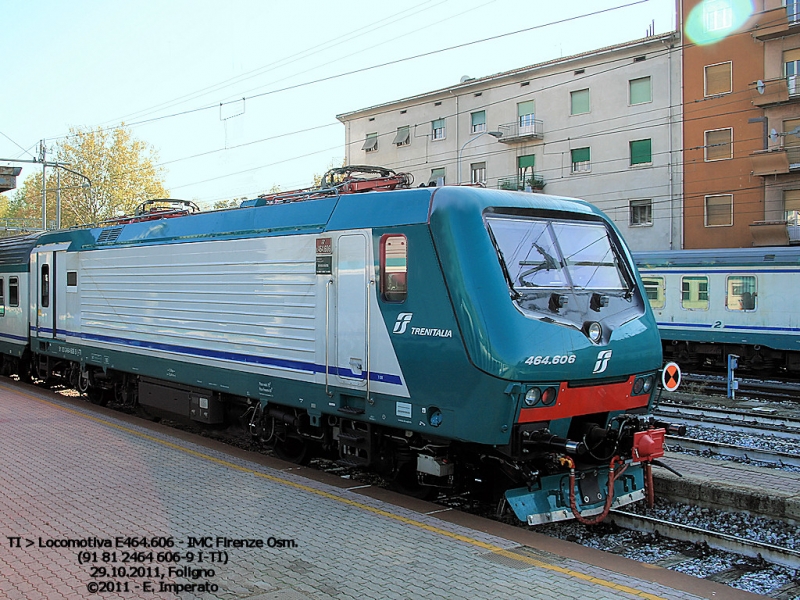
<point x="57" y="165"/>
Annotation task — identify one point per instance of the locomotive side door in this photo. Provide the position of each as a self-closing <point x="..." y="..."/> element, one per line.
<point x="45" y="297"/>
<point x="351" y="284"/>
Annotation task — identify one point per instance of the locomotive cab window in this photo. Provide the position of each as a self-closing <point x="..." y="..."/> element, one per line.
<point x="72" y="279"/>
<point x="13" y="291"/>
<point x="394" y="268"/>
<point x="694" y="292"/>
<point x="654" y="288"/>
<point x="45" y="287"/>
<point x="741" y="292"/>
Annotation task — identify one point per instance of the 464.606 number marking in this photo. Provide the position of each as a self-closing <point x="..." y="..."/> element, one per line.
<point x="558" y="359"/>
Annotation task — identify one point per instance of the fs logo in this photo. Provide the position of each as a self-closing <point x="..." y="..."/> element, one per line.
<point x="403" y="319"/>
<point x="602" y="361"/>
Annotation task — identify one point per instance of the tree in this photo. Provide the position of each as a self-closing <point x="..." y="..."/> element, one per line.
<point x="122" y="171"/>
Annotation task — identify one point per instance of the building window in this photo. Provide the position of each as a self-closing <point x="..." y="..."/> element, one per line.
<point x="478" y="121"/>
<point x="791" y="206"/>
<point x="525" y="179"/>
<point x="741" y="292"/>
<point x="641" y="213"/>
<point x="717" y="15"/>
<point x="640" y="90"/>
<point x="719" y="210"/>
<point x="793" y="10"/>
<point x="579" y="102"/>
<point x="719" y="144"/>
<point x="718" y="79"/>
<point x="394" y="268"/>
<point x="437" y="129"/>
<point x="641" y="152"/>
<point x="694" y="292"/>
<point x="478" y="172"/>
<point x="13" y="291"/>
<point x="371" y="143"/>
<point x="654" y="290"/>
<point x="437" y="177"/>
<point x="581" y="160"/>
<point x="526" y="115"/>
<point x="403" y="137"/>
<point x="791" y="69"/>
<point x="791" y="141"/>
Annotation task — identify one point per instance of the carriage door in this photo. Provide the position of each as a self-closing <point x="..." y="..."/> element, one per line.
<point x="45" y="295"/>
<point x="351" y="310"/>
<point x="47" y="299"/>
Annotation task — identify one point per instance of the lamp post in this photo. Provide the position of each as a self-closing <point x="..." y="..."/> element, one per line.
<point x="494" y="134"/>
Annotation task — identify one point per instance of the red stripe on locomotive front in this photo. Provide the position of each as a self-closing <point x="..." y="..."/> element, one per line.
<point x="574" y="402"/>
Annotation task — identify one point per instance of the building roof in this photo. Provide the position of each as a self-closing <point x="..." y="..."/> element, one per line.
<point x="515" y="72"/>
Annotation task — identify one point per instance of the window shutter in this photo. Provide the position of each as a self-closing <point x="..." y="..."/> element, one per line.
<point x="718" y="144"/>
<point x="718" y="79"/>
<point x="791" y="200"/>
<point x="640" y="90"/>
<point x="523" y="162"/>
<point x="580" y="102"/>
<point x="791" y="55"/>
<point x="580" y="155"/>
<point x="526" y="108"/>
<point x="641" y="152"/>
<point x="719" y="210"/>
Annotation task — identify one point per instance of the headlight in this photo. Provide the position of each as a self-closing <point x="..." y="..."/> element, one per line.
<point x="533" y="395"/>
<point x="595" y="331"/>
<point x="638" y="385"/>
<point x="549" y="396"/>
<point x="648" y="383"/>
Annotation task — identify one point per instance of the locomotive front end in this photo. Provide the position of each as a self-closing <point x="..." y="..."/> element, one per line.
<point x="565" y="323"/>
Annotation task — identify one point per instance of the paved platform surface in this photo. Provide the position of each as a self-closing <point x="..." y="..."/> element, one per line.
<point x="90" y="501"/>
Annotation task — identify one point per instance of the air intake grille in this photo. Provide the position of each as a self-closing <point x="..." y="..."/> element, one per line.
<point x="109" y="236"/>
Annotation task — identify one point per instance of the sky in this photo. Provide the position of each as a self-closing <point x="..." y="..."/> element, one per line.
<point x="237" y="97"/>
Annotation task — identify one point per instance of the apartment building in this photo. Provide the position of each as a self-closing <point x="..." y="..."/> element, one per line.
<point x="775" y="162"/>
<point x="604" y="126"/>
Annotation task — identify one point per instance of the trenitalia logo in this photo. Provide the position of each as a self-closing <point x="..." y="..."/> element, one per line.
<point x="403" y="319"/>
<point x="602" y="361"/>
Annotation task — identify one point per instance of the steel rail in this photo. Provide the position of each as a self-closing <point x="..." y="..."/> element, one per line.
<point x="783" y="459"/>
<point x="732" y="420"/>
<point x="778" y="555"/>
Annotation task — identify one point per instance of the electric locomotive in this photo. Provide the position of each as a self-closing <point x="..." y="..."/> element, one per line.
<point x="447" y="337"/>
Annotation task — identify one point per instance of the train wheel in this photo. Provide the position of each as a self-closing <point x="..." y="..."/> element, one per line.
<point x="98" y="396"/>
<point x="292" y="448"/>
<point x="82" y="383"/>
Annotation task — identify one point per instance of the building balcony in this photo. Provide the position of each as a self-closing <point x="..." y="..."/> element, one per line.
<point x="521" y="131"/>
<point x="530" y="183"/>
<point x="775" y="91"/>
<point x="775" y="233"/>
<point x="775" y="23"/>
<point x="776" y="161"/>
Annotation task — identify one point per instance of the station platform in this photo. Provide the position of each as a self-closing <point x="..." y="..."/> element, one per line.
<point x="97" y="504"/>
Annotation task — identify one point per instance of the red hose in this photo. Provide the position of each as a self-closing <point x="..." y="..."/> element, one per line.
<point x="612" y="477"/>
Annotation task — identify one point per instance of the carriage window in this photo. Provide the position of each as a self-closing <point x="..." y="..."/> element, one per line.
<point x="394" y="268"/>
<point x="13" y="291"/>
<point x="72" y="278"/>
<point x="694" y="292"/>
<point x="2" y="297"/>
<point x="654" y="288"/>
<point x="741" y="292"/>
<point x="45" y="286"/>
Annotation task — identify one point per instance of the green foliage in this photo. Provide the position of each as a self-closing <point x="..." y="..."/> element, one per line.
<point x="122" y="171"/>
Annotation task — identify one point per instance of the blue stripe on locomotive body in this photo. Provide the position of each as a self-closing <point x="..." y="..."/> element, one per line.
<point x="773" y="324"/>
<point x="464" y="340"/>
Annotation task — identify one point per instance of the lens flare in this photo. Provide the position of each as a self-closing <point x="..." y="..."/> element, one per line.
<point x="714" y="20"/>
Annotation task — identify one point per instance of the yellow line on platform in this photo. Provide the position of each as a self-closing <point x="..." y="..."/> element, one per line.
<point x="497" y="550"/>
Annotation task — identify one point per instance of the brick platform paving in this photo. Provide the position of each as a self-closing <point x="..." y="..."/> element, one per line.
<point x="69" y="475"/>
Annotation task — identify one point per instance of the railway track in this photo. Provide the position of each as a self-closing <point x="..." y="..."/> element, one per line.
<point x="730" y="419"/>
<point x="779" y="555"/>
<point x="745" y="454"/>
<point x="763" y="390"/>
